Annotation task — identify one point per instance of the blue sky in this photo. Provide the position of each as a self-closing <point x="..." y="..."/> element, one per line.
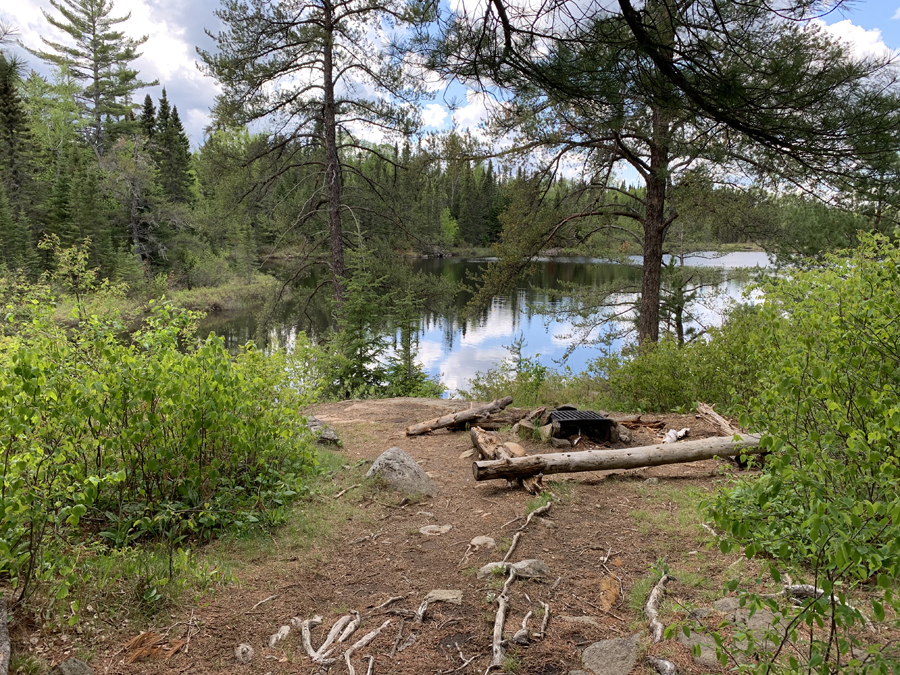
<point x="175" y="27"/>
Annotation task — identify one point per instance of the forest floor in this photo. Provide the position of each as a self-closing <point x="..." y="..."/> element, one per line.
<point x="606" y="539"/>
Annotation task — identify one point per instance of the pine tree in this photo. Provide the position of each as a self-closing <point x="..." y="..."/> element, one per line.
<point x="16" y="142"/>
<point x="172" y="152"/>
<point x="100" y="59"/>
<point x="148" y="117"/>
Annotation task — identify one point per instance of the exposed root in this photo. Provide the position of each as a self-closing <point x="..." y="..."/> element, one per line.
<point x="512" y="546"/>
<point x="545" y="621"/>
<point x="651" y="610"/>
<point x="544" y="510"/>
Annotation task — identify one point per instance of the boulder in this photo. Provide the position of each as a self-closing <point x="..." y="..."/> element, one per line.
<point x="72" y="667"/>
<point x="400" y="472"/>
<point x="611" y="657"/>
<point x="324" y="434"/>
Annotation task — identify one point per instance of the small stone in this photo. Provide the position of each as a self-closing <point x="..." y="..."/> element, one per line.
<point x="483" y="542"/>
<point x="560" y="443"/>
<point x="243" y="653"/>
<point x="583" y="620"/>
<point x="440" y="595"/>
<point x="612" y="657"/>
<point x="546" y="432"/>
<point x="325" y="435"/>
<point x="652" y="481"/>
<point x="624" y="434"/>
<point x="72" y="667"/>
<point x="546" y="522"/>
<point x="435" y="530"/>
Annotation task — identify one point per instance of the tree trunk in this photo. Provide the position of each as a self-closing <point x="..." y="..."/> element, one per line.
<point x="603" y="460"/>
<point x="463" y="416"/>
<point x="332" y="161"/>
<point x="655" y="226"/>
<point x="4" y="640"/>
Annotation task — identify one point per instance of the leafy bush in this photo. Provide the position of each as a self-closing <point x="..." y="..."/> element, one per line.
<point x="827" y="507"/>
<point x="159" y="437"/>
<point x="722" y="368"/>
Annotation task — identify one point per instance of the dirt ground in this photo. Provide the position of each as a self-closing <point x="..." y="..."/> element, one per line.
<point x="604" y="542"/>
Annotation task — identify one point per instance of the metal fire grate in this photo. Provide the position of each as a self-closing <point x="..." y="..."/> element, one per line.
<point x="576" y="416"/>
<point x="588" y="423"/>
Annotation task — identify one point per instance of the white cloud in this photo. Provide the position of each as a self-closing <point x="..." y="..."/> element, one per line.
<point x="896" y="14"/>
<point x="862" y="42"/>
<point x="473" y="113"/>
<point x="434" y="115"/>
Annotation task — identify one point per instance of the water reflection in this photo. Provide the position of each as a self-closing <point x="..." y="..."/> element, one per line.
<point x="455" y="350"/>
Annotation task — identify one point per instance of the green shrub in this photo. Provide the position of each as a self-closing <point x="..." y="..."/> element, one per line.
<point x="157" y="438"/>
<point x="827" y="507"/>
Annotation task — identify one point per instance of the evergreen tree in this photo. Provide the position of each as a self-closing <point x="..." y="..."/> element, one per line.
<point x="148" y="117"/>
<point x="16" y="142"/>
<point x="172" y="152"/>
<point x="100" y="58"/>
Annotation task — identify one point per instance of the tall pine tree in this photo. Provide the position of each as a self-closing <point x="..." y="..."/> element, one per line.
<point x="172" y="152"/>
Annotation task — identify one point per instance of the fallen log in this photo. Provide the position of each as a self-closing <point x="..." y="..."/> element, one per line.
<point x="463" y="416"/>
<point x="495" y="421"/>
<point x="602" y="460"/>
<point x="490" y="447"/>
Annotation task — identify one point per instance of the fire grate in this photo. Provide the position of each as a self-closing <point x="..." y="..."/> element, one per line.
<point x="588" y="423"/>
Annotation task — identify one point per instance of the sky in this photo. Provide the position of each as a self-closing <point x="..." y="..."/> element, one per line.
<point x="174" y="28"/>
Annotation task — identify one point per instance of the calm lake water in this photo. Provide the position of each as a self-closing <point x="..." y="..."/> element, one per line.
<point x="455" y="351"/>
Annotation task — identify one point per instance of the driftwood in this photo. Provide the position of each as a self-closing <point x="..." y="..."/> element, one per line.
<point x="723" y="426"/>
<point x="463" y="416"/>
<point x="4" y="640"/>
<point x="490" y="447"/>
<point x="601" y="460"/>
<point x="498" y="645"/>
<point x="504" y="418"/>
<point x="651" y="610"/>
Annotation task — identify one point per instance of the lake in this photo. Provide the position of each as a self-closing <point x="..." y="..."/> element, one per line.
<point x="455" y="350"/>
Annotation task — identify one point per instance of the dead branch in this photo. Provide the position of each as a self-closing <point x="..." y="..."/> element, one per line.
<point x="544" y="510"/>
<point x="626" y="458"/>
<point x="351" y="627"/>
<point x="512" y="546"/>
<point x="336" y="630"/>
<point x="498" y="650"/>
<point x="397" y="640"/>
<point x="546" y="620"/>
<point x="387" y="602"/>
<point x="464" y="416"/>
<point x="345" y="490"/>
<point x="305" y="637"/>
<point x="271" y="597"/>
<point x="371" y="668"/>
<point x="282" y="633"/>
<point x="362" y="642"/>
<point x="420" y="614"/>
<point x="651" y="610"/>
<point x="723" y="426"/>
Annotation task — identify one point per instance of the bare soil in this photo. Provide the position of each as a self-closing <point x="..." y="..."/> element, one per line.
<point x="375" y="551"/>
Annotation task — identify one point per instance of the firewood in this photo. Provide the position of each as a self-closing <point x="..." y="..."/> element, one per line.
<point x="602" y="460"/>
<point x="469" y="415"/>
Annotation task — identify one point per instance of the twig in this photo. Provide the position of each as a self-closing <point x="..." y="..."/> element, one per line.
<point x="336" y="630"/>
<point x="537" y="512"/>
<point x="510" y="522"/>
<point x="512" y="546"/>
<point x="420" y="614"/>
<point x="652" y="607"/>
<point x="546" y="619"/>
<point x="345" y="491"/>
<point x="371" y="668"/>
<point x="362" y="642"/>
<point x="709" y="529"/>
<point x="187" y="642"/>
<point x="465" y="662"/>
<point x="384" y="604"/>
<point x="397" y="641"/>
<point x="271" y="597"/>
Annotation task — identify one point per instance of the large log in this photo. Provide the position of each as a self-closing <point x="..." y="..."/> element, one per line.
<point x="602" y="460"/>
<point x="463" y="416"/>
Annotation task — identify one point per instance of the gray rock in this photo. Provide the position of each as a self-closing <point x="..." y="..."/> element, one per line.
<point x="525" y="569"/>
<point x="707" y="647"/>
<point x="560" y="443"/>
<point x="611" y="657"/>
<point x="755" y="625"/>
<point x="325" y="435"/>
<point x="623" y="433"/>
<point x="400" y="472"/>
<point x="72" y="667"/>
<point x="583" y="620"/>
<point x="442" y="595"/>
<point x="726" y="605"/>
<point x="653" y="480"/>
<point x="700" y="613"/>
